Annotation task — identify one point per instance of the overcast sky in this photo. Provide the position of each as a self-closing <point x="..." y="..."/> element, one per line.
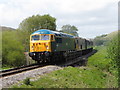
<point x="91" y="17"/>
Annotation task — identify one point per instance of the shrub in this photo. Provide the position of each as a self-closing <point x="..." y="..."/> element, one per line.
<point x="114" y="50"/>
<point x="114" y="54"/>
<point x="12" y="49"/>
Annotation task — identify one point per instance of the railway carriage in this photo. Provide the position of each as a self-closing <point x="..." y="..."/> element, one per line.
<point x="48" y="46"/>
<point x="82" y="45"/>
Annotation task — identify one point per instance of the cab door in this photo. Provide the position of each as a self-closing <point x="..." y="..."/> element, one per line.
<point x="53" y="43"/>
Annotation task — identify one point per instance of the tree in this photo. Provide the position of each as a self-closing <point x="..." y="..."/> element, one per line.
<point x="113" y="50"/>
<point x="100" y="40"/>
<point x="31" y="24"/>
<point x="12" y="49"/>
<point x="70" y="29"/>
<point x="37" y="22"/>
<point x="114" y="53"/>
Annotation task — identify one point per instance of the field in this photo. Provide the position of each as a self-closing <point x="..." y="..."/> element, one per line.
<point x="98" y="73"/>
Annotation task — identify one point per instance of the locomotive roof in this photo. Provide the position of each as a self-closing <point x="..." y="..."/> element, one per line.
<point x="46" y="31"/>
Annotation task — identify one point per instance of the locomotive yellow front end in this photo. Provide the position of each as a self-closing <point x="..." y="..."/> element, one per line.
<point x="40" y="45"/>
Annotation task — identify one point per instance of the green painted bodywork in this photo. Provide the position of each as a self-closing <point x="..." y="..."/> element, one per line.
<point x="62" y="44"/>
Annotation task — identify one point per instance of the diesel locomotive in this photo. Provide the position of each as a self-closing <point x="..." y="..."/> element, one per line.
<point x="49" y="46"/>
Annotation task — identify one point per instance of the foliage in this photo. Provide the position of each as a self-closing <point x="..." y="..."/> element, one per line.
<point x="70" y="29"/>
<point x="37" y="22"/>
<point x="6" y="67"/>
<point x="24" y="37"/>
<point x="97" y="74"/>
<point x="12" y="49"/>
<point x="101" y="61"/>
<point x="105" y="38"/>
<point x="112" y="34"/>
<point x="114" y="52"/>
<point x="100" y="40"/>
<point x="31" y="24"/>
<point x="72" y="77"/>
<point x="26" y="81"/>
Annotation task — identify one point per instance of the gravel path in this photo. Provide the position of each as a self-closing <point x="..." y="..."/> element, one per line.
<point x="13" y="79"/>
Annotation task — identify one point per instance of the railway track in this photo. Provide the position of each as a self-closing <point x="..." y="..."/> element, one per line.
<point x="8" y="72"/>
<point x="12" y="76"/>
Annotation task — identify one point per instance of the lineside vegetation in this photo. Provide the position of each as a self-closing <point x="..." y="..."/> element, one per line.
<point x="12" y="49"/>
<point x="98" y="73"/>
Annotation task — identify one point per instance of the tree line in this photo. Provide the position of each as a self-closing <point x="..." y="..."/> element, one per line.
<point x="16" y="42"/>
<point x="12" y="49"/>
<point x="113" y="49"/>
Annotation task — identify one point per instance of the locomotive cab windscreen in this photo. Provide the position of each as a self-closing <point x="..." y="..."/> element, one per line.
<point x="41" y="42"/>
<point x="40" y="37"/>
<point x="35" y="37"/>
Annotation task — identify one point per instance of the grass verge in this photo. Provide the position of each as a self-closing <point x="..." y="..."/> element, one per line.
<point x="97" y="74"/>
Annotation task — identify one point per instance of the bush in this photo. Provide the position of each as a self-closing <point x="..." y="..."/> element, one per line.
<point x="12" y="49"/>
<point x="114" y="50"/>
<point x="114" y="54"/>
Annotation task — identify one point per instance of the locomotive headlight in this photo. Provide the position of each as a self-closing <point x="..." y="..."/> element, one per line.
<point x="47" y="47"/>
<point x="32" y="47"/>
<point x="31" y="54"/>
<point x="34" y="54"/>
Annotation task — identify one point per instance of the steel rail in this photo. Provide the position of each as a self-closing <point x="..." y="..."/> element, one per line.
<point x="8" y="72"/>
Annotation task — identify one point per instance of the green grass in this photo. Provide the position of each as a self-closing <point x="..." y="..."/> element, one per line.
<point x="100" y="59"/>
<point x="5" y="67"/>
<point x="95" y="75"/>
<point x="70" y="77"/>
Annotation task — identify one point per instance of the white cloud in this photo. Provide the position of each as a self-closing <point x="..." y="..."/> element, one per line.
<point x="95" y="30"/>
<point x="81" y="13"/>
